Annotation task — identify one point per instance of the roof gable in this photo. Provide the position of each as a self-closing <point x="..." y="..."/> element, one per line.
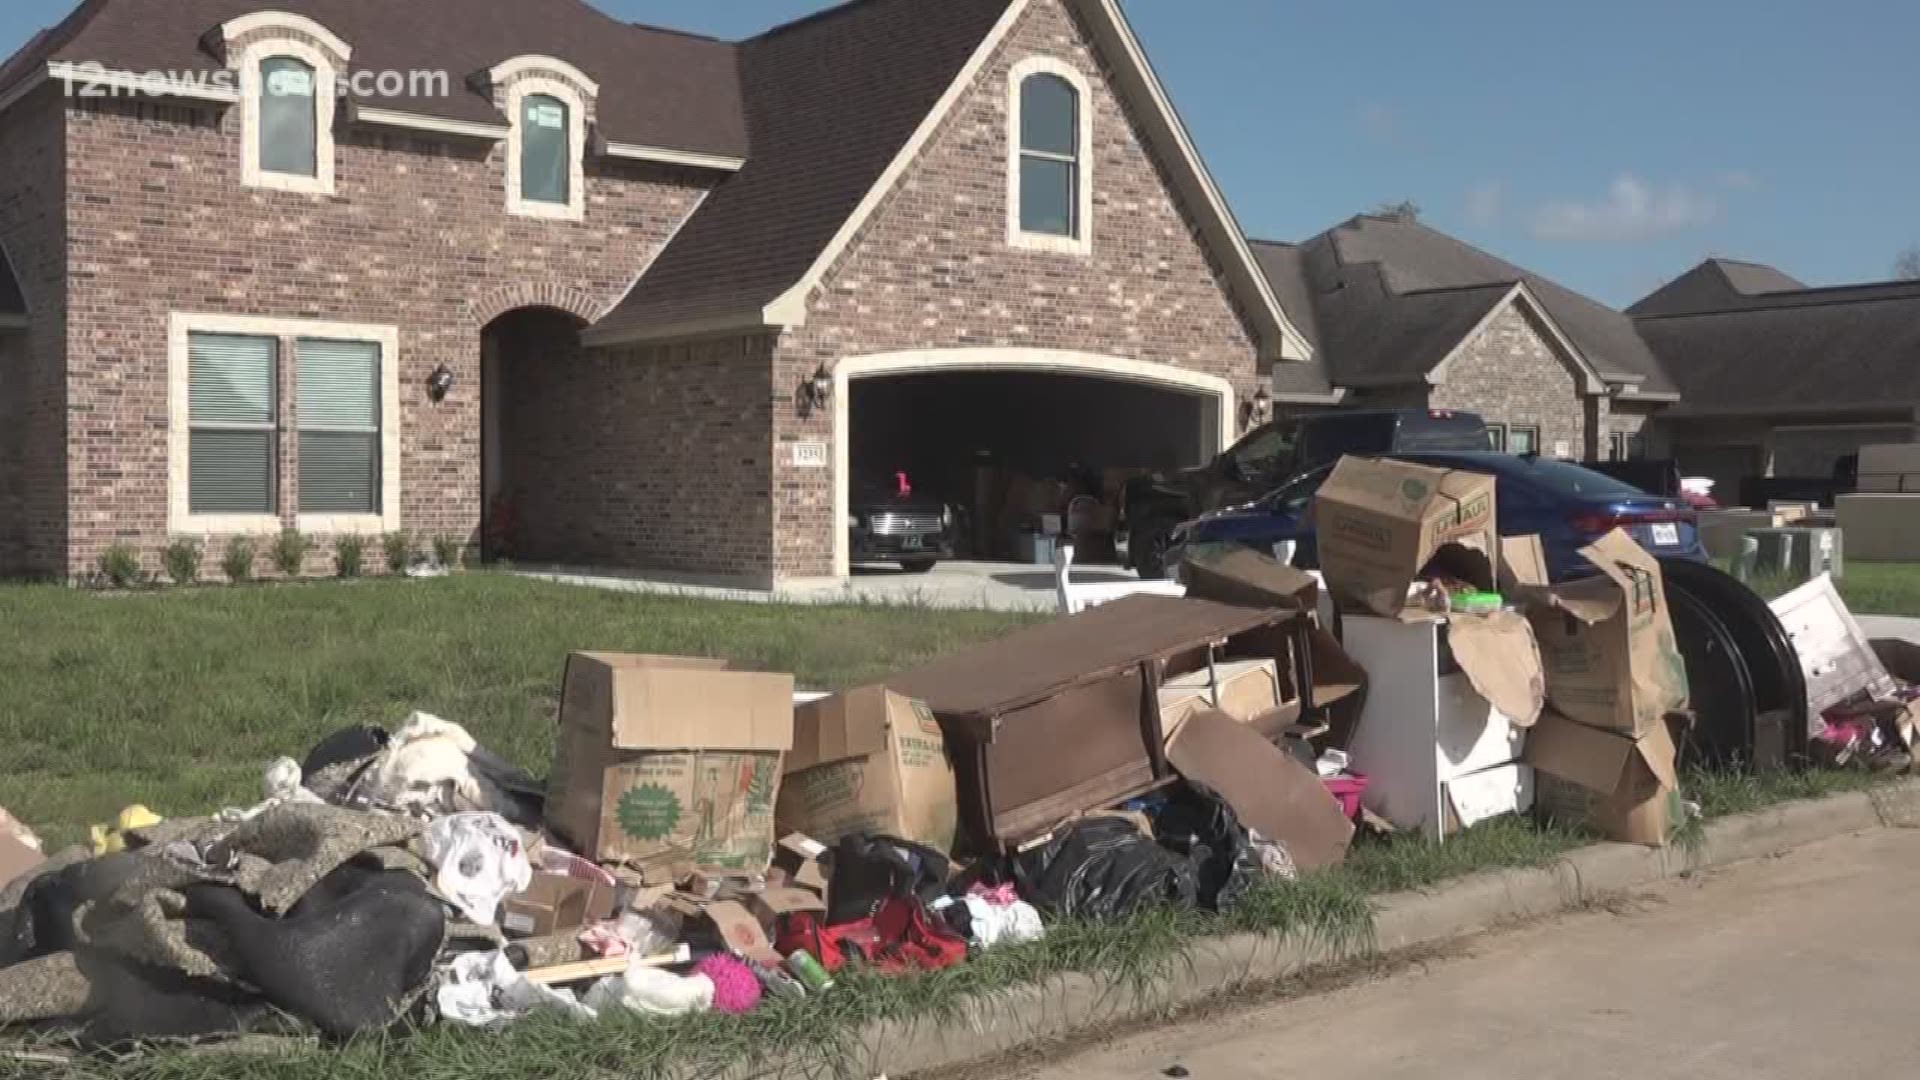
<point x="659" y="88"/>
<point x="801" y="200"/>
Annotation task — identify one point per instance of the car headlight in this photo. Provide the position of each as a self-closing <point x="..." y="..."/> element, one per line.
<point x="946" y="517"/>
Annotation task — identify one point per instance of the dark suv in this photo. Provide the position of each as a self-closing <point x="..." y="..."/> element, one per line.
<point x="1274" y="453"/>
<point x="898" y="526"/>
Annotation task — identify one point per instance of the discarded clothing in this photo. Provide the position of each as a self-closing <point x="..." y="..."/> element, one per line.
<point x="900" y="937"/>
<point x="992" y="923"/>
<point x="479" y="862"/>
<point x="484" y="990"/>
<point x="433" y="767"/>
<point x="652" y="992"/>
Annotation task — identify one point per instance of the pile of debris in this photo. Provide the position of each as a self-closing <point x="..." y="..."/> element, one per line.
<point x="707" y="837"/>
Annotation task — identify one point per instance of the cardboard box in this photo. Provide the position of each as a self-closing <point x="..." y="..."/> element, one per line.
<point x="800" y="861"/>
<point x="1384" y="525"/>
<point x="19" y="848"/>
<point x="1243" y="689"/>
<point x="555" y="903"/>
<point x="1523" y="562"/>
<point x="1624" y="786"/>
<point x="1607" y="642"/>
<point x="1271" y="793"/>
<point x="740" y="929"/>
<point x="871" y="761"/>
<point x="777" y="901"/>
<point x="1243" y="576"/>
<point x="669" y="764"/>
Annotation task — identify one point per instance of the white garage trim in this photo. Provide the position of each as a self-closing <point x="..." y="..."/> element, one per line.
<point x="1030" y="361"/>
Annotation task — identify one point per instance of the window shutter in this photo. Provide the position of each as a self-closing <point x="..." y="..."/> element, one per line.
<point x="231" y="402"/>
<point x="339" y="411"/>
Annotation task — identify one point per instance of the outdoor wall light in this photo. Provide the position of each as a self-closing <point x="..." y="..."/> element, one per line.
<point x="817" y="392"/>
<point x="1258" y="409"/>
<point x="440" y="383"/>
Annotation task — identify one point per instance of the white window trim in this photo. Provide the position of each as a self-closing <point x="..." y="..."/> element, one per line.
<point x="180" y="516"/>
<point x="325" y="102"/>
<point x="575" y="208"/>
<point x="1082" y="242"/>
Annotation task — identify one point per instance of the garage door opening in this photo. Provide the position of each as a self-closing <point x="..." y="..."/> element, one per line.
<point x="1012" y="458"/>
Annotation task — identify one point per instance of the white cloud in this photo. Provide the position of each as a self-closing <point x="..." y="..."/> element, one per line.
<point x="1486" y="202"/>
<point x="1632" y="210"/>
<point x="1379" y="121"/>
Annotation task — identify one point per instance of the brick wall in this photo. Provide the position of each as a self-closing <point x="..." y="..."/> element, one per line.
<point x="33" y="403"/>
<point x="1510" y="373"/>
<point x="417" y="236"/>
<point x="933" y="269"/>
<point x="652" y="456"/>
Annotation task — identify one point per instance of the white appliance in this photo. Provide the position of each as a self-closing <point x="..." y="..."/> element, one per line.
<point x="1438" y="756"/>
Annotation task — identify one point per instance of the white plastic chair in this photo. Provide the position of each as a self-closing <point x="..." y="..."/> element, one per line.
<point x="1076" y="597"/>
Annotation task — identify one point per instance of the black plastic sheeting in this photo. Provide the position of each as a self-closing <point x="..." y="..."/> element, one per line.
<point x="1105" y="868"/>
<point x="1749" y="696"/>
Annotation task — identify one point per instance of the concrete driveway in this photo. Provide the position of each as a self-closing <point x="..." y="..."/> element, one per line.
<point x="979" y="585"/>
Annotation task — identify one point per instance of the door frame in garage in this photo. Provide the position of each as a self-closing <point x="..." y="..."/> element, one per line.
<point x="1026" y="361"/>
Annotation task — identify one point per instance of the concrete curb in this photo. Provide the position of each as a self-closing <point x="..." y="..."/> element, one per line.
<point x="1021" y="1016"/>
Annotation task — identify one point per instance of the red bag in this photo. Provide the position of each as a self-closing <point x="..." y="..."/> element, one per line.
<point x="900" y="937"/>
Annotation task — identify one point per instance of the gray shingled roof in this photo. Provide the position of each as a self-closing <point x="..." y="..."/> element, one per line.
<point x="1284" y="265"/>
<point x="757" y="234"/>
<point x="1795" y="352"/>
<point x="1416" y="258"/>
<point x="1386" y="299"/>
<point x="1714" y="285"/>
<point x="657" y="87"/>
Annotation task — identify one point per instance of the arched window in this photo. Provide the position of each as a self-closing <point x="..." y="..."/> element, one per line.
<point x="1049" y="144"/>
<point x="546" y="150"/>
<point x="289" y="117"/>
<point x="1049" y="156"/>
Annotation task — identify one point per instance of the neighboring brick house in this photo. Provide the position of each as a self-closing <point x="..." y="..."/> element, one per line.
<point x="604" y="298"/>
<point x="1779" y="379"/>
<point x="1401" y="315"/>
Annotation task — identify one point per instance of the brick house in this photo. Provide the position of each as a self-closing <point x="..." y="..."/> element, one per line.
<point x="607" y="294"/>
<point x="1401" y="315"/>
<point x="1780" y="379"/>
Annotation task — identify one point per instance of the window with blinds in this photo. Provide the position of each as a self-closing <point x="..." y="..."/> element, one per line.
<point x="339" y="421"/>
<point x="231" y="446"/>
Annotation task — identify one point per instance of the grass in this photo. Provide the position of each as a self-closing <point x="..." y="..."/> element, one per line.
<point x="178" y="699"/>
<point x="1869" y="588"/>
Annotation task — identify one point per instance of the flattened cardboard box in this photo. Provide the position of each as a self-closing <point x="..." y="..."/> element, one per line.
<point x="1607" y="642"/>
<point x="1271" y="793"/>
<point x="1622" y="785"/>
<point x="872" y="761"/>
<point x="1381" y="523"/>
<point x="669" y="764"/>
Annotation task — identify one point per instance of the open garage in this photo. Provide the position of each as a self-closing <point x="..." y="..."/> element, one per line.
<point x="1019" y="453"/>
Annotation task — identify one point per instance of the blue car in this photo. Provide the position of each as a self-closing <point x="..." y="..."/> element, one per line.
<point x="1568" y="506"/>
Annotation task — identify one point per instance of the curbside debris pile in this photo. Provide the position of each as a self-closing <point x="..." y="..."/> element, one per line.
<point x="707" y="838"/>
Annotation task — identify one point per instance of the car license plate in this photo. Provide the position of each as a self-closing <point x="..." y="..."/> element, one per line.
<point x="1667" y="535"/>
<point x="912" y="543"/>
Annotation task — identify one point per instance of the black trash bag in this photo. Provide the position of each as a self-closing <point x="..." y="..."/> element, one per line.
<point x="1103" y="868"/>
<point x="1197" y="823"/>
<point x="869" y="869"/>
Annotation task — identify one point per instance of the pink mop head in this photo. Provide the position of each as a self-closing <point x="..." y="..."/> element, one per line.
<point x="735" y="988"/>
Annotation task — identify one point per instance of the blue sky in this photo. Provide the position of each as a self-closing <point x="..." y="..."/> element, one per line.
<point x="1607" y="146"/>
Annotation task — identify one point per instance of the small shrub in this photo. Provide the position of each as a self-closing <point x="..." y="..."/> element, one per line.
<point x="183" y="561"/>
<point x="447" y="551"/>
<point x="350" y="555"/>
<point x="120" y="566"/>
<point x="290" y="550"/>
<point x="399" y="549"/>
<point x="237" y="563"/>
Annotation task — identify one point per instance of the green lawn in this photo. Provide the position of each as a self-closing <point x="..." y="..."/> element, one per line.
<point x="1882" y="588"/>
<point x="178" y="700"/>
